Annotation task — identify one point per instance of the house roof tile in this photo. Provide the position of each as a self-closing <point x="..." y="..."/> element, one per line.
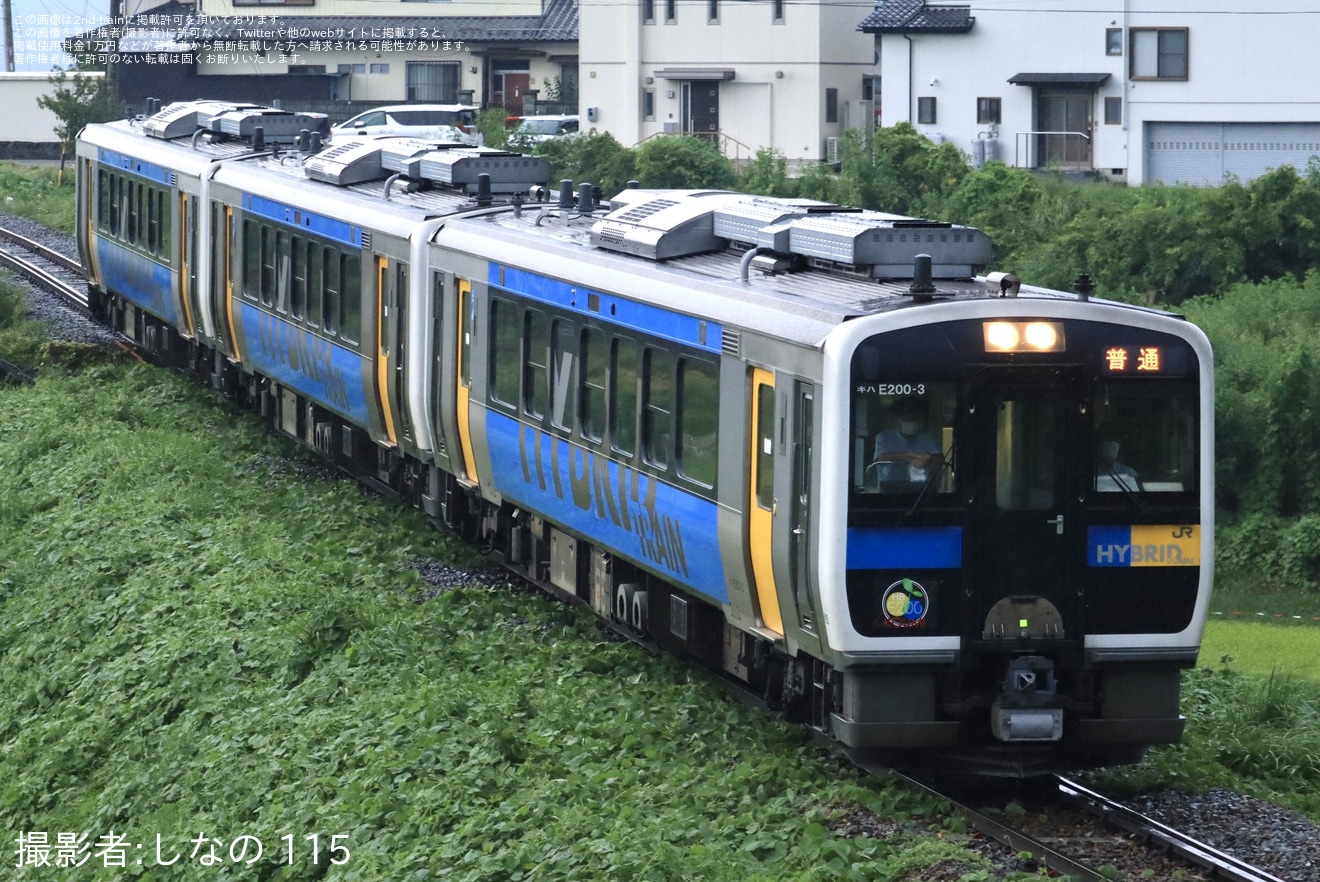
<point x="914" y="16"/>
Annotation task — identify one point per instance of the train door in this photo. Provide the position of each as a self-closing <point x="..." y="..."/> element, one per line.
<point x="804" y="415"/>
<point x="761" y="506"/>
<point x="441" y="393"/>
<point x="465" y="327"/>
<point x="188" y="264"/>
<point x="1025" y="539"/>
<point x="391" y="291"/>
<point x="222" y="280"/>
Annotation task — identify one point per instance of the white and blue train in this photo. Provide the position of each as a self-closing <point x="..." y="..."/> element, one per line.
<point x="933" y="514"/>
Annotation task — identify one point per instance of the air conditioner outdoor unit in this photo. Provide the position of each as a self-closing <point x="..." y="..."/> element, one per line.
<point x="831" y="150"/>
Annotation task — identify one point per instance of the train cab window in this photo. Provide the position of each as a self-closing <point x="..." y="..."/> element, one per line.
<point x="563" y="373"/>
<point x="698" y="420"/>
<point x="350" y="303"/>
<point x="591" y="395"/>
<point x="1145" y="438"/>
<point x="657" y="406"/>
<point x="623" y="395"/>
<point x="505" y="352"/>
<point x="902" y="436"/>
<point x="1026" y="477"/>
<point x="536" y="346"/>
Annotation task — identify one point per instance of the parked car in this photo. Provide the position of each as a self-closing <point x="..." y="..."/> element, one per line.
<point x="433" y="122"/>
<point x="540" y="128"/>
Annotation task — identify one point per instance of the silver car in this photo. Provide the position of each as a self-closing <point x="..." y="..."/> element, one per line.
<point x="455" y="123"/>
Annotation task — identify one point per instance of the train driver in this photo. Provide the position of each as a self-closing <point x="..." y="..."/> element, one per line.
<point x="1110" y="474"/>
<point x="906" y="451"/>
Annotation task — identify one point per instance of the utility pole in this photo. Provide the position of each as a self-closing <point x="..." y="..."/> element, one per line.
<point x="8" y="13"/>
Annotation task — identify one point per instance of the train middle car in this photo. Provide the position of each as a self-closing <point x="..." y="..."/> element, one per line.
<point x="937" y="516"/>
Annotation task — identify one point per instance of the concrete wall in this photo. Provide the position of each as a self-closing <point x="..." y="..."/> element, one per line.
<point x="28" y="131"/>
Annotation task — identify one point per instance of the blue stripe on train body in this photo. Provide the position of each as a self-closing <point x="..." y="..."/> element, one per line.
<point x="654" y="321"/>
<point x="140" y="167"/>
<point x="618" y="507"/>
<point x="139" y="279"/>
<point x="884" y="548"/>
<point x="326" y="372"/>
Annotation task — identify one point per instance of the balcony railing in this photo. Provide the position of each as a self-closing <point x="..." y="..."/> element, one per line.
<point x="1065" y="150"/>
<point x="731" y="148"/>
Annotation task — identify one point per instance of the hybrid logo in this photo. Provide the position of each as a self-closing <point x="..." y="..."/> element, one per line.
<point x="1164" y="545"/>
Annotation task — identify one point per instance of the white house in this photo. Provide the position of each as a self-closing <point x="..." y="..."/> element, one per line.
<point x="1136" y="90"/>
<point x="776" y="74"/>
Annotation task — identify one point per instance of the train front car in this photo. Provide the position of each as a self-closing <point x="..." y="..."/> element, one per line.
<point x="1016" y="529"/>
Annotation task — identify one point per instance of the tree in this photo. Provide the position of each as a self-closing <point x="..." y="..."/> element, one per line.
<point x="76" y="101"/>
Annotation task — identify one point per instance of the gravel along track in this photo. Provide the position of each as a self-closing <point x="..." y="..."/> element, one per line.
<point x="1277" y="840"/>
<point x="62" y="322"/>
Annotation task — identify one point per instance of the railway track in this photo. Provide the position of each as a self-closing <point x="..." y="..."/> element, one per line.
<point x="57" y="273"/>
<point x="1057" y="837"/>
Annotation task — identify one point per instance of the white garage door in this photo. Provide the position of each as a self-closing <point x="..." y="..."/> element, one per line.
<point x="1202" y="153"/>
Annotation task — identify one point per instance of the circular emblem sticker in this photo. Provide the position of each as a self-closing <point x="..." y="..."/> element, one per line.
<point x="905" y="604"/>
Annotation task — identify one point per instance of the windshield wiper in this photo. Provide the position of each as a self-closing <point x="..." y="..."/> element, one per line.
<point x="936" y="473"/>
<point x="1133" y="496"/>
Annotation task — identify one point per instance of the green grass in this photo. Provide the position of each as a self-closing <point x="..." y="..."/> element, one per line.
<point x="40" y="194"/>
<point x="198" y="642"/>
<point x="1263" y="649"/>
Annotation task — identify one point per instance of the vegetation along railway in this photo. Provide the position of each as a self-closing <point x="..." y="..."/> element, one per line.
<point x="938" y="516"/>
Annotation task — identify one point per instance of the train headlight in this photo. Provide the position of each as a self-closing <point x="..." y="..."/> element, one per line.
<point x="1023" y="336"/>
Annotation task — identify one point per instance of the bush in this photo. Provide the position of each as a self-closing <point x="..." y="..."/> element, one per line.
<point x="684" y="163"/>
<point x="595" y="157"/>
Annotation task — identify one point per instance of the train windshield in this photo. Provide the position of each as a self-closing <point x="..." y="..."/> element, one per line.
<point x="1145" y="438"/>
<point x="903" y="436"/>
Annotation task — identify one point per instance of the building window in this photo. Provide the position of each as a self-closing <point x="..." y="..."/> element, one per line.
<point x="987" y="111"/>
<point x="778" y="11"/>
<point x="713" y="11"/>
<point x="307" y="68"/>
<point x="831" y="105"/>
<point x="1159" y="53"/>
<point x="1113" y="41"/>
<point x="648" y="11"/>
<point x="648" y="104"/>
<point x="352" y="68"/>
<point x="926" y="111"/>
<point x="671" y="10"/>
<point x="380" y="68"/>
<point x="1113" y="111"/>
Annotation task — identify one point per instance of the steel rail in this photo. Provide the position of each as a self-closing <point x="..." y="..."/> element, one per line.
<point x="41" y="277"/>
<point x="1220" y="864"/>
<point x="55" y="257"/>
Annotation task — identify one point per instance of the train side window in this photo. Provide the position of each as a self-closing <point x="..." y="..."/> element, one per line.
<point x="657" y="406"/>
<point x="102" y="200"/>
<point x="623" y="395"/>
<point x="330" y="303"/>
<point x="350" y="302"/>
<point x="591" y="395"/>
<point x="505" y="351"/>
<point x="163" y="235"/>
<point x="251" y="259"/>
<point x="131" y="211"/>
<point x="155" y="206"/>
<point x="283" y="275"/>
<point x="266" y="288"/>
<point x="536" y="345"/>
<point x="315" y="283"/>
<point x="298" y="268"/>
<point x="121" y="213"/>
<point x="563" y="371"/>
<point x="149" y="223"/>
<point x="698" y="420"/>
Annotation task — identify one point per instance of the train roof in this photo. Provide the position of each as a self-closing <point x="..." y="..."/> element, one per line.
<point x="799" y="266"/>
